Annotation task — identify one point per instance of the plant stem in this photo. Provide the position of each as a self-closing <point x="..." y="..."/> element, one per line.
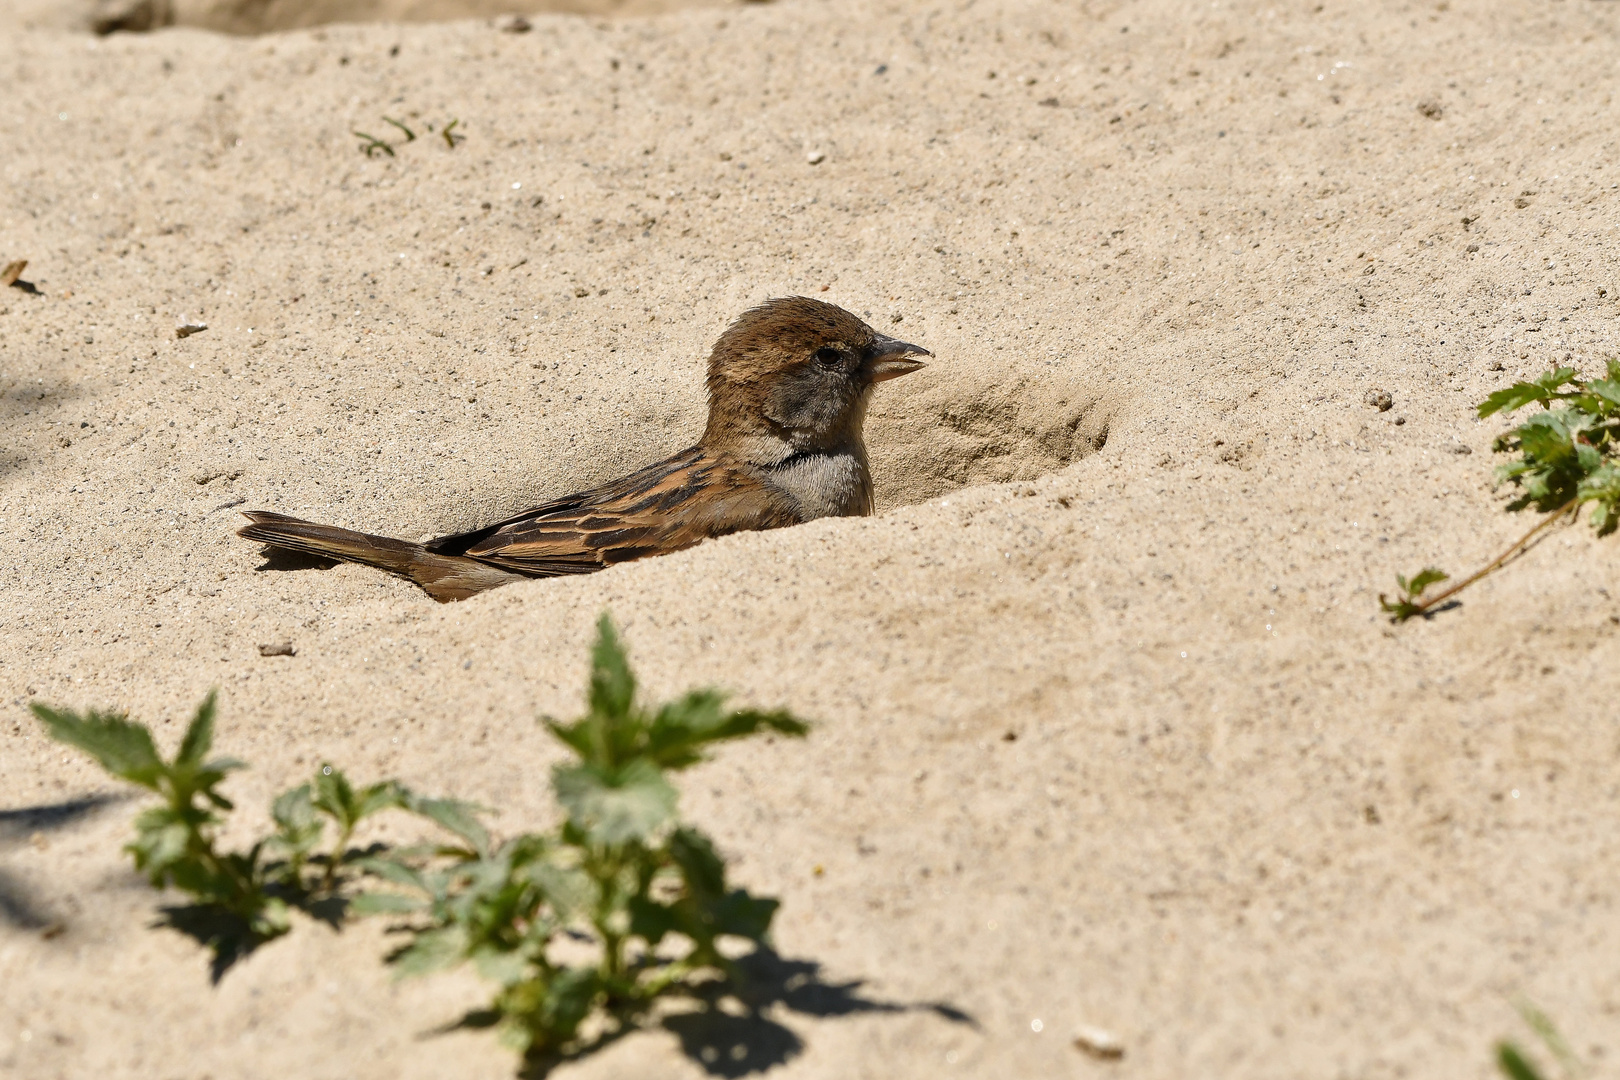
<point x="1572" y="507"/>
<point x="336" y="857"/>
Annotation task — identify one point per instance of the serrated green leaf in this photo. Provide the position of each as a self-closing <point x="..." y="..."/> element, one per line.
<point x="682" y="727"/>
<point x="1608" y="390"/>
<point x="388" y="795"/>
<point x="199" y="737"/>
<point x="124" y="749"/>
<point x="298" y="827"/>
<point x="1547" y="436"/>
<point x="158" y="850"/>
<point x="431" y="950"/>
<point x="1510" y="398"/>
<point x="500" y="966"/>
<point x="614" y="806"/>
<point x="570" y="891"/>
<point x="392" y="869"/>
<point x="334" y="795"/>
<point x="1429" y="576"/>
<point x="550" y="1010"/>
<point x="456" y="816"/>
<point x="613" y="686"/>
<point x="378" y="903"/>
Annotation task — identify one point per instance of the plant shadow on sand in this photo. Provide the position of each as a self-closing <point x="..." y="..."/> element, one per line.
<point x="734" y="1043"/>
<point x="228" y="936"/>
<point x="20" y="907"/>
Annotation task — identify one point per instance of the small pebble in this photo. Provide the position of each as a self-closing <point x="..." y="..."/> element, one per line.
<point x="1380" y="400"/>
<point x="186" y="329"/>
<point x="815" y="157"/>
<point x="284" y="648"/>
<point x="1098" y="1042"/>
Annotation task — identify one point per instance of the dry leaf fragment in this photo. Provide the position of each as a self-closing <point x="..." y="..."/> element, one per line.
<point x="13" y="271"/>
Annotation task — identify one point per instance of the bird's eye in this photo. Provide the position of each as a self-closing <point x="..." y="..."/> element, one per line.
<point x="827" y="356"/>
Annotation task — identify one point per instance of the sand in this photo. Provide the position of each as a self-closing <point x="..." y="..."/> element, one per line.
<point x="1109" y="729"/>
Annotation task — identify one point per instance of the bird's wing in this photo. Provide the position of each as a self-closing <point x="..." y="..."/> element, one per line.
<point x="674" y="504"/>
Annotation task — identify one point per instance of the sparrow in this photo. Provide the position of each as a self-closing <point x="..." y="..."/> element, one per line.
<point x="788" y="386"/>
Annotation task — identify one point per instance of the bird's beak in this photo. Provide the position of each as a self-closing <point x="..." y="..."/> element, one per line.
<point x="890" y="359"/>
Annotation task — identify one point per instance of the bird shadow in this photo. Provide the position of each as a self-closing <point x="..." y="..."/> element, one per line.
<point x="284" y="559"/>
<point x="729" y="1032"/>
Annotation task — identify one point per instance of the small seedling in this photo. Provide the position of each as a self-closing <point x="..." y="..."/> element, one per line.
<point x="621" y="876"/>
<point x="238" y="899"/>
<point x="371" y="146"/>
<point x="1569" y="455"/>
<point x="1516" y="1064"/>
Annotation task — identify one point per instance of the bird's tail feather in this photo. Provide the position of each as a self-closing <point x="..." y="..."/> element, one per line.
<point x="444" y="577"/>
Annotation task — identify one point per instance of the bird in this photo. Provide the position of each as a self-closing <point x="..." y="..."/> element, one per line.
<point x="788" y="387"/>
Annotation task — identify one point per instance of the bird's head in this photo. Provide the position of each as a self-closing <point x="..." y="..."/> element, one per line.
<point x="797" y="373"/>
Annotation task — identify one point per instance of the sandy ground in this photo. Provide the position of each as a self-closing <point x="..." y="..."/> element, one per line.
<point x="1110" y="731"/>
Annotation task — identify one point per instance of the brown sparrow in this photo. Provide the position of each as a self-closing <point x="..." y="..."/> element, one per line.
<point x="789" y="382"/>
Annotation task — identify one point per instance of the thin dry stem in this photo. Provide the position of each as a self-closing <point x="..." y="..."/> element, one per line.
<point x="1572" y="507"/>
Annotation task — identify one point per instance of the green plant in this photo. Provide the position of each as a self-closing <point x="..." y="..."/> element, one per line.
<point x="371" y="145"/>
<point x="1515" y="1064"/>
<point x="641" y="899"/>
<point x="410" y="136"/>
<point x="239" y="899"/>
<point x="1569" y="455"/>
<point x="621" y="878"/>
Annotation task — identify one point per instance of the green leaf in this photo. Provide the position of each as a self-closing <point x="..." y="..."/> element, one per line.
<point x="379" y="903"/>
<point x="614" y="806"/>
<point x="124" y="749"/>
<point x="456" y="816"/>
<point x="1607" y="389"/>
<point x="334" y="796"/>
<point x="388" y="795"/>
<point x="393" y="870"/>
<point x="298" y="827"/>
<point x="1429" y="576"/>
<point x="1547" y="436"/>
<point x="1510" y="1059"/>
<point x="161" y="843"/>
<point x="500" y="965"/>
<point x="432" y="950"/>
<point x="613" y="686"/>
<point x="199" y="738"/>
<point x="692" y="721"/>
<point x="547" y="1012"/>
<point x="1513" y="397"/>
<point x="570" y="891"/>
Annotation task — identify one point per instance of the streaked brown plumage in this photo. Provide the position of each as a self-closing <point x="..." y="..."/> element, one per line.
<point x="788" y="383"/>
